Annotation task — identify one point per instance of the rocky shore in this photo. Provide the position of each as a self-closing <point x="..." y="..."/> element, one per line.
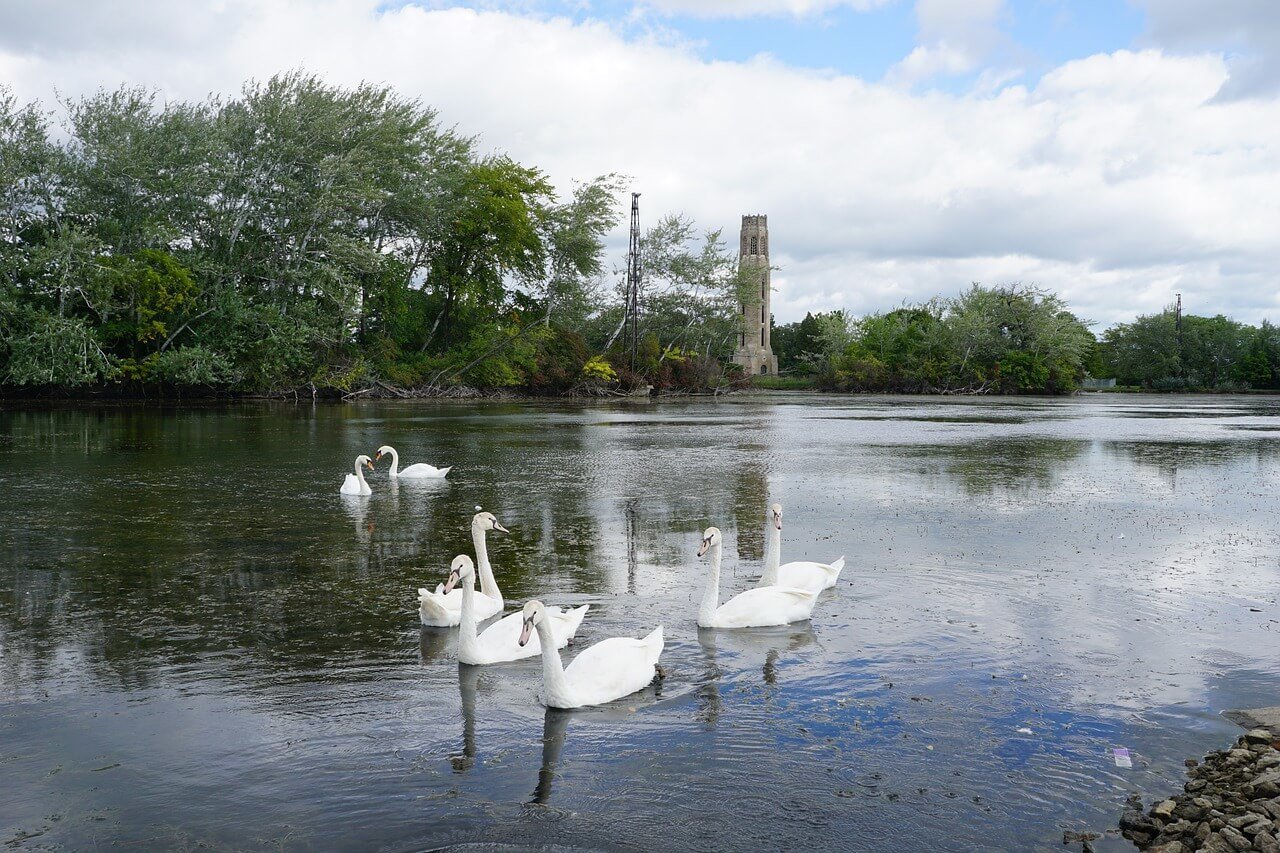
<point x="1230" y="804"/>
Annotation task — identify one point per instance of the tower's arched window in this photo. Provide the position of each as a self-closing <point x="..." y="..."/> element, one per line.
<point x="764" y="368"/>
<point x="755" y="245"/>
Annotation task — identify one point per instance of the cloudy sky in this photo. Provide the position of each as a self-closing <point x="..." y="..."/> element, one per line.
<point x="1118" y="151"/>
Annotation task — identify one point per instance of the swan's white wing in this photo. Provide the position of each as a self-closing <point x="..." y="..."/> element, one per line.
<point x="350" y="486"/>
<point x="444" y="610"/>
<point x="423" y="471"/>
<point x="613" y="668"/>
<point x="501" y="640"/>
<point x="766" y="605"/>
<point x="565" y="623"/>
<point x="804" y="574"/>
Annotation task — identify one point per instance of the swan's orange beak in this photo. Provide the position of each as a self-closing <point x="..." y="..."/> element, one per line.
<point x="369" y="465"/>
<point x="526" y="631"/>
<point x="451" y="582"/>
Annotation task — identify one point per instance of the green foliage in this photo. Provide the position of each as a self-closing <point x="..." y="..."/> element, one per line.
<point x="1008" y="339"/>
<point x="1207" y="353"/>
<point x="43" y="349"/>
<point x="299" y="233"/>
<point x="798" y="346"/>
<point x="599" y="370"/>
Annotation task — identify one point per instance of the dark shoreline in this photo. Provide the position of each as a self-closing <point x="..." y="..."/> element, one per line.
<point x="1229" y="804"/>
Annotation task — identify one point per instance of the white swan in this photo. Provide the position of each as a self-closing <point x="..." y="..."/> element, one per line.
<point x="355" y="484"/>
<point x="764" y="605"/>
<point x="441" y="609"/>
<point x="500" y="642"/>
<point x="611" y="669"/>
<point x="802" y="574"/>
<point x="418" y="471"/>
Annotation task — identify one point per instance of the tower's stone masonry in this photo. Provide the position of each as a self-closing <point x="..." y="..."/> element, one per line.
<point x="754" y="351"/>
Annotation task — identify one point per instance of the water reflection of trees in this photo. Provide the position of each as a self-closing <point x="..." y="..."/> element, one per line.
<point x="997" y="465"/>
<point x="215" y="538"/>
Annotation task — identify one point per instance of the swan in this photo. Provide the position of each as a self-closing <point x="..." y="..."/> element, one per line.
<point x="500" y="641"/>
<point x="764" y="605"/>
<point x="355" y="484"/>
<point x="611" y="669"/>
<point x="418" y="471"/>
<point x="801" y="574"/>
<point x="441" y="609"/>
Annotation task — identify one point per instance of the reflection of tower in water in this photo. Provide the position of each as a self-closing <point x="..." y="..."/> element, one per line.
<point x="629" y="513"/>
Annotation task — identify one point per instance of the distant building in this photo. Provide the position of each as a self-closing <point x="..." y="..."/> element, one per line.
<point x="754" y="352"/>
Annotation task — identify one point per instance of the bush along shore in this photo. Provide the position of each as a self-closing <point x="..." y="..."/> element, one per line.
<point x="1230" y="803"/>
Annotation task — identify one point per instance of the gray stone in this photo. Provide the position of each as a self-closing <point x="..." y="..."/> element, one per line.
<point x="1265" y="842"/>
<point x="1170" y="847"/>
<point x="1164" y="810"/>
<point x="1195" y="785"/>
<point x="1235" y="839"/>
<point x="1243" y="820"/>
<point x="1217" y="844"/>
<point x="1256" y="718"/>
<point x="1257" y="736"/>
<point x="1268" y="761"/>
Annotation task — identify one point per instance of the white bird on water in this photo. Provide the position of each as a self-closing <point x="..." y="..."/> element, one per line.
<point x="354" y="484"/>
<point x="417" y="471"/>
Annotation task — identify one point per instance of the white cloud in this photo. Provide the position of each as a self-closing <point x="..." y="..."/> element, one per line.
<point x="753" y="8"/>
<point x="1117" y="179"/>
<point x="1249" y="30"/>
<point x="954" y="37"/>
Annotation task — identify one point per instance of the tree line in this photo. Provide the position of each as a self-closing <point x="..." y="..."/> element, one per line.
<point x="308" y="235"/>
<point x="1022" y="340"/>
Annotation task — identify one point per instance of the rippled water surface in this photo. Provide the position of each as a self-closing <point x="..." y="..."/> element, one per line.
<point x="203" y="645"/>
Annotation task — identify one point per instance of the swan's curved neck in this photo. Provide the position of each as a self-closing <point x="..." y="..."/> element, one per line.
<point x="488" y="584"/>
<point x="554" y="683"/>
<point x="359" y="472"/>
<point x="772" y="556"/>
<point x="467" y="641"/>
<point x="711" y="598"/>
<point x="395" y="462"/>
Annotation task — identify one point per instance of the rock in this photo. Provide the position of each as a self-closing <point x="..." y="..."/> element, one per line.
<point x="1195" y="785"/>
<point x="1171" y="847"/>
<point x="1265" y="784"/>
<point x="1265" y="842"/>
<point x="1190" y="762"/>
<point x="1202" y="832"/>
<point x="1164" y="810"/>
<point x="1268" y="761"/>
<point x="1217" y="844"/>
<point x="1234" y="838"/>
<point x="1239" y="756"/>
<point x="1257" y="736"/>
<point x="1203" y="803"/>
<point x="1243" y="820"/>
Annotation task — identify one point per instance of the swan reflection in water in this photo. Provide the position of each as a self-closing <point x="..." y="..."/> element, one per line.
<point x="468" y="679"/>
<point x="554" y="726"/>
<point x="746" y="641"/>
<point x="357" y="509"/>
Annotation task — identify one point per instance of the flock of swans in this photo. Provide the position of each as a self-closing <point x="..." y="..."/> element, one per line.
<point x="614" y="667"/>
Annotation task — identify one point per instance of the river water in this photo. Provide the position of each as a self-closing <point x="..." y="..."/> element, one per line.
<point x="203" y="645"/>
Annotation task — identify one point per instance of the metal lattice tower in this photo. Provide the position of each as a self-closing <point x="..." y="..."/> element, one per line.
<point x="634" y="272"/>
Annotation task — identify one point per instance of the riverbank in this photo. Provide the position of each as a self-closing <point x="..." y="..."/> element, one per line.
<point x="1230" y="803"/>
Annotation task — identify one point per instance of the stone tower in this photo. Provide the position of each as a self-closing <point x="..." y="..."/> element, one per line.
<point x="754" y="352"/>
